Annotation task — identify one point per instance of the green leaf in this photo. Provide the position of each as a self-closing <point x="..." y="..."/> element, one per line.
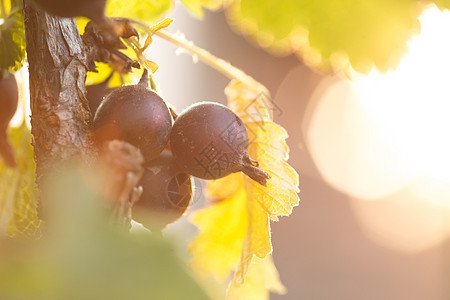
<point x="106" y="265"/>
<point x="84" y="256"/>
<point x="332" y="35"/>
<point x="196" y="6"/>
<point x="147" y="10"/>
<point x="12" y="38"/>
<point x="19" y="195"/>
<point x="442" y="4"/>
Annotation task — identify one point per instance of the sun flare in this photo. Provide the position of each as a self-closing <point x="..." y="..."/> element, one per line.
<point x="412" y="103"/>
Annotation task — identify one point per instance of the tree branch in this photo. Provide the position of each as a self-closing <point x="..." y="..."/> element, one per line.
<point x="61" y="121"/>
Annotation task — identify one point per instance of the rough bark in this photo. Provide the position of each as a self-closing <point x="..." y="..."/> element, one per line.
<point x="59" y="59"/>
<point x="61" y="121"/>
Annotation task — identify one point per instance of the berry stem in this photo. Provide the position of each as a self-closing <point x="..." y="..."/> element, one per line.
<point x="129" y="63"/>
<point x="144" y="79"/>
<point x="109" y="77"/>
<point x="219" y="64"/>
<point x="254" y="172"/>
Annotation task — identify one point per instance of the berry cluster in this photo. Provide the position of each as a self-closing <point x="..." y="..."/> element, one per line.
<point x="207" y="140"/>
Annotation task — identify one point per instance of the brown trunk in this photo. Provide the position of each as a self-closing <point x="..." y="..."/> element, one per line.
<point x="61" y="122"/>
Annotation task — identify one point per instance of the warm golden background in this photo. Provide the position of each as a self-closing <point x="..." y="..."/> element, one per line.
<point x="372" y="154"/>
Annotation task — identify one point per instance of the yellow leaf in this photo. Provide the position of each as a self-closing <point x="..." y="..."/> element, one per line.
<point x="269" y="138"/>
<point x="268" y="146"/>
<point x="262" y="278"/>
<point x="224" y="188"/>
<point x="235" y="230"/>
<point x="223" y="227"/>
<point x="257" y="241"/>
<point x="249" y="104"/>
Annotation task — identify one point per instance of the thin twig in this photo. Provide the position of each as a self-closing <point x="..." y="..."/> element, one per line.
<point x="219" y="64"/>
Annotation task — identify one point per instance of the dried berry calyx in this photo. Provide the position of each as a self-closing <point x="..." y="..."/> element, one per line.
<point x="167" y="193"/>
<point x="9" y="97"/>
<point x="209" y="141"/>
<point x="137" y="115"/>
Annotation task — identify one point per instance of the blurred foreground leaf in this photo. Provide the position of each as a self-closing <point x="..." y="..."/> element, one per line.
<point x="442" y="4"/>
<point x="18" y="192"/>
<point x="196" y="6"/>
<point x="216" y="251"/>
<point x="262" y="277"/>
<point x="332" y="35"/>
<point x="83" y="256"/>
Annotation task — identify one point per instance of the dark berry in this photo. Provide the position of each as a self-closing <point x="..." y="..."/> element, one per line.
<point x="96" y="93"/>
<point x="9" y="97"/>
<point x="93" y="9"/>
<point x="167" y="193"/>
<point x="137" y="115"/>
<point x="209" y="141"/>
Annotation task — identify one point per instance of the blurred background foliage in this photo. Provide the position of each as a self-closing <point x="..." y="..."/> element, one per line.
<point x="330" y="36"/>
<point x="83" y="256"/>
<point x="12" y="35"/>
<point x="91" y="259"/>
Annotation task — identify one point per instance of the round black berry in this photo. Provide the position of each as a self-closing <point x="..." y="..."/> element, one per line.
<point x="137" y="115"/>
<point x="209" y="141"/>
<point x="167" y="193"/>
<point x="9" y="97"/>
